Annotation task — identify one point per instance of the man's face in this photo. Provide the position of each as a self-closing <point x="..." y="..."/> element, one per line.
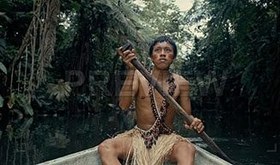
<point x="162" y="55"/>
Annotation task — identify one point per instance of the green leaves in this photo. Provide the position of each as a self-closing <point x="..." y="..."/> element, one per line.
<point x="19" y="100"/>
<point x="60" y="91"/>
<point x="240" y="38"/>
<point x="3" y="68"/>
<point x="2" y="49"/>
<point x="22" y="101"/>
<point x="1" y="101"/>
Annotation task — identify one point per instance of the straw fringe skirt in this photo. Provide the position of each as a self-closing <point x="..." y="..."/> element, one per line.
<point x="140" y="155"/>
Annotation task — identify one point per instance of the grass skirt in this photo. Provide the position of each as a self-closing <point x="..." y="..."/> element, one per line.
<point x="157" y="155"/>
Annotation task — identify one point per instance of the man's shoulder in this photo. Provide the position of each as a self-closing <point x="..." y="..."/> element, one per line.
<point x="141" y="79"/>
<point x="180" y="78"/>
<point x="138" y="75"/>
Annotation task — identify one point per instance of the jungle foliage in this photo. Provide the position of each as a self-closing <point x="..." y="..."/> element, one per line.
<point x="240" y="52"/>
<point x="60" y="55"/>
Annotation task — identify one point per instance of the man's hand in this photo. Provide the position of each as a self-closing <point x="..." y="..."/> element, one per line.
<point x="196" y="124"/>
<point x="127" y="56"/>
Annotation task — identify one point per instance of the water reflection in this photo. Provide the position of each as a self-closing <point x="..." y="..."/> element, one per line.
<point x="33" y="140"/>
<point x="16" y="143"/>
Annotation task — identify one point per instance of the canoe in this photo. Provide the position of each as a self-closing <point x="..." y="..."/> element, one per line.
<point x="90" y="157"/>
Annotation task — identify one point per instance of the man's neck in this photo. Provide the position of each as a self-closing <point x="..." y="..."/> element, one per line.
<point x="160" y="75"/>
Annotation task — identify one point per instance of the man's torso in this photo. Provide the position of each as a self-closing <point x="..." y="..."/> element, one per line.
<point x="145" y="115"/>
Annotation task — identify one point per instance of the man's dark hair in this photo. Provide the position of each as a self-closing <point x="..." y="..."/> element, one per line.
<point x="163" y="39"/>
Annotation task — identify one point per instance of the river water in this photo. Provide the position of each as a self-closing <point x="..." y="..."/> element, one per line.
<point x="33" y="140"/>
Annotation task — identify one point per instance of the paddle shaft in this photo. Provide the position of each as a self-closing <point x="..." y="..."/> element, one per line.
<point x="178" y="108"/>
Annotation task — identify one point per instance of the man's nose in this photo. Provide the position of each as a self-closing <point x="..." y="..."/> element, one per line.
<point x="162" y="53"/>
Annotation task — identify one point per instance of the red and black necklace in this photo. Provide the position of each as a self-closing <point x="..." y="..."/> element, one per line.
<point x="150" y="136"/>
<point x="161" y="113"/>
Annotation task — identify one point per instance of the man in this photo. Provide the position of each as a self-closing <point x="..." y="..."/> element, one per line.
<point x="152" y="141"/>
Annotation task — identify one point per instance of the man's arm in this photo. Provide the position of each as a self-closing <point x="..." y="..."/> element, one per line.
<point x="184" y="97"/>
<point x="130" y="85"/>
<point x="128" y="90"/>
<point x="185" y="103"/>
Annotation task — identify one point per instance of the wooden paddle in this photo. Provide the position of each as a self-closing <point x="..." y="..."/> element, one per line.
<point x="173" y="103"/>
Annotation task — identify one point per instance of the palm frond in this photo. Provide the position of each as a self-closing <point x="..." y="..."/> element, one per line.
<point x="60" y="91"/>
<point x="3" y="68"/>
<point x="126" y="19"/>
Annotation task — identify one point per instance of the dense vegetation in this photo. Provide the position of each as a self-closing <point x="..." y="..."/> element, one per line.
<point x="59" y="56"/>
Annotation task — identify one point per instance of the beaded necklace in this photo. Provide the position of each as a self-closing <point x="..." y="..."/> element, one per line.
<point x="161" y="113"/>
<point x="150" y="136"/>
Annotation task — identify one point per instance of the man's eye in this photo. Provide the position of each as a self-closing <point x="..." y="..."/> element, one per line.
<point x="157" y="50"/>
<point x="167" y="50"/>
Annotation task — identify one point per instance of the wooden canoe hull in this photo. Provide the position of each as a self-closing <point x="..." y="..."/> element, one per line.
<point x="90" y="157"/>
